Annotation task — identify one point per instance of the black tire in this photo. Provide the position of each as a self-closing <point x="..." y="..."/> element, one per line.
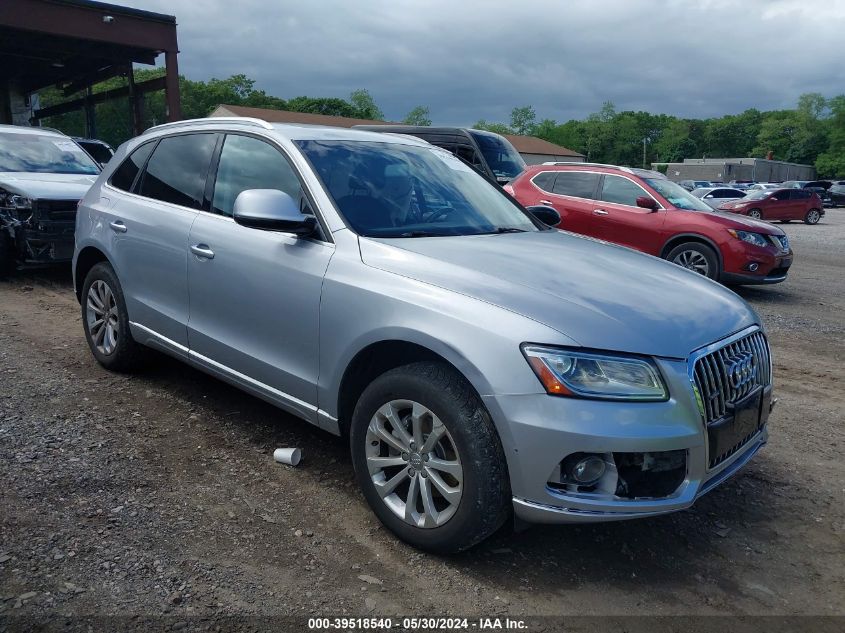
<point x="485" y="503"/>
<point x="7" y="256"/>
<point x="813" y="216"/>
<point x="756" y="214"/>
<point x="697" y="247"/>
<point x="127" y="354"/>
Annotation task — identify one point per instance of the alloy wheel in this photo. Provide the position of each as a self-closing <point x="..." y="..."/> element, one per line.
<point x="813" y="216"/>
<point x="754" y="213"/>
<point x="101" y="317"/>
<point x="414" y="463"/>
<point x="693" y="260"/>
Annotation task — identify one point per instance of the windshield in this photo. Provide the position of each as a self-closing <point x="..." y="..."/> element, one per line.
<point x="394" y="190"/>
<point x="677" y="195"/>
<point x="43" y="154"/>
<point x="500" y="155"/>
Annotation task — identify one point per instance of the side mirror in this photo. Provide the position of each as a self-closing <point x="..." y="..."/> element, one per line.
<point x="272" y="210"/>
<point x="646" y="202"/>
<point x="546" y="215"/>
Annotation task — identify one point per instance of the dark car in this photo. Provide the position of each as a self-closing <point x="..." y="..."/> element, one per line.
<point x="99" y="150"/>
<point x="492" y="154"/>
<point x="43" y="175"/>
<point x="643" y="210"/>
<point x="781" y="204"/>
<point x="837" y="195"/>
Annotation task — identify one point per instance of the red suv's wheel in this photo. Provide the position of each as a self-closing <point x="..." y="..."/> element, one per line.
<point x="813" y="216"/>
<point x="696" y="257"/>
<point x="756" y="214"/>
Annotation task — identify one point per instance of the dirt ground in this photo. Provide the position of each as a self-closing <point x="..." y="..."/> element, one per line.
<point x="157" y="493"/>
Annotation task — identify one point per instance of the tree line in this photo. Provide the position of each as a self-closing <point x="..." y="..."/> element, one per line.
<point x="811" y="133"/>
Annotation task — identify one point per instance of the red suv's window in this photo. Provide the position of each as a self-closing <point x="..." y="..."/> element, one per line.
<point x="580" y="184"/>
<point x="621" y="190"/>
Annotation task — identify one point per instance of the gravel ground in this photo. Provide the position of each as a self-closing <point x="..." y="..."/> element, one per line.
<point x="157" y="494"/>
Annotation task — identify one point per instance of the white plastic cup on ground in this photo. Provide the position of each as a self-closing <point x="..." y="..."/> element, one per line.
<point x="289" y="456"/>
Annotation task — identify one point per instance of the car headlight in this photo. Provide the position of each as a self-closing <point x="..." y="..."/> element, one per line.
<point x="594" y="375"/>
<point x="751" y="238"/>
<point x="20" y="206"/>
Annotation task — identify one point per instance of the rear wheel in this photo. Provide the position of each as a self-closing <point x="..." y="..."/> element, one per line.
<point x="106" y="321"/>
<point x="696" y="257"/>
<point x="813" y="216"/>
<point x="428" y="458"/>
<point x="756" y="214"/>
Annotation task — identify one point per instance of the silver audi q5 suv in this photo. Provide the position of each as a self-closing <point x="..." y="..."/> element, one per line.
<point x="482" y="365"/>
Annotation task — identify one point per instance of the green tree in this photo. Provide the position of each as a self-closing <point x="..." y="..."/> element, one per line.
<point x="831" y="162"/>
<point x="418" y="116"/>
<point x="365" y="106"/>
<point x="498" y="128"/>
<point x="523" y="120"/>
<point x="331" y="106"/>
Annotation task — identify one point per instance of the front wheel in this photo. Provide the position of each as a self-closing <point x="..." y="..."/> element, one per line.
<point x="106" y="321"/>
<point x="813" y="216"/>
<point x="696" y="257"/>
<point x="756" y="214"/>
<point x="428" y="458"/>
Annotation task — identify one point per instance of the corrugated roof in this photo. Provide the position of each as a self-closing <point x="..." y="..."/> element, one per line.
<point x="523" y="144"/>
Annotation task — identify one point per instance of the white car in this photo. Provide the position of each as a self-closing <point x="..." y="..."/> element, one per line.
<point x="714" y="196"/>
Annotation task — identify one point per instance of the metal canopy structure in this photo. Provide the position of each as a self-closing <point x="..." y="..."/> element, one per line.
<point x="74" y="44"/>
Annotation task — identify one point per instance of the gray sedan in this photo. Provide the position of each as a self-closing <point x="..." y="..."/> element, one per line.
<point x="714" y="196"/>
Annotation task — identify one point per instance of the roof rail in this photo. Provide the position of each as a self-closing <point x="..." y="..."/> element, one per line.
<point x="216" y="120"/>
<point x="575" y="162"/>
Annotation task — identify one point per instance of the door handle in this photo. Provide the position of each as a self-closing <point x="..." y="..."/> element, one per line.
<point x="546" y="202"/>
<point x="202" y="251"/>
<point x="600" y="212"/>
<point x="118" y="226"/>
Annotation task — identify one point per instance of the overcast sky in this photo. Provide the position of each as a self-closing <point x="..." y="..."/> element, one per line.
<point x="470" y="60"/>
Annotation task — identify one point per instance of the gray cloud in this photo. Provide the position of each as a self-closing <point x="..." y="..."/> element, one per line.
<point x="471" y="60"/>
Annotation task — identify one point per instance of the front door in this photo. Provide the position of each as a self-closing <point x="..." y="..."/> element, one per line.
<point x="573" y="195"/>
<point x="622" y="221"/>
<point x="255" y="294"/>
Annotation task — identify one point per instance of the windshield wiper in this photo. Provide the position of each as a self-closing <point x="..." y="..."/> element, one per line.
<point x="419" y="234"/>
<point x="509" y="229"/>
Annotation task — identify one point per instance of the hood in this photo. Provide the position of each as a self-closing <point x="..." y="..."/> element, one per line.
<point x="742" y="222"/>
<point x="47" y="186"/>
<point x="602" y="296"/>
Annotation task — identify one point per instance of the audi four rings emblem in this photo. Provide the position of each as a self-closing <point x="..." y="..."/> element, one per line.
<point x="741" y="369"/>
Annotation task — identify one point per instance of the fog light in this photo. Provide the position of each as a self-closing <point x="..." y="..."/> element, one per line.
<point x="753" y="267"/>
<point x="587" y="470"/>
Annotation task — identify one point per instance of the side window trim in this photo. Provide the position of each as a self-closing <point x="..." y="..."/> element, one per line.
<point x="141" y="169"/>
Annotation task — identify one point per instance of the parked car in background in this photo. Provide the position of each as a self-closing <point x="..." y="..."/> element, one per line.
<point x="490" y="153"/>
<point x="837" y="194"/>
<point x="99" y="150"/>
<point x="714" y="196"/>
<point x="762" y="186"/>
<point x="480" y="364"/>
<point x="741" y="185"/>
<point x="43" y="175"/>
<point x="689" y="185"/>
<point x="783" y="205"/>
<point x="643" y="210"/>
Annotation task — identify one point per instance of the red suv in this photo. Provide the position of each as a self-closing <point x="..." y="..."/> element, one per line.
<point x="644" y="210"/>
<point x="779" y="204"/>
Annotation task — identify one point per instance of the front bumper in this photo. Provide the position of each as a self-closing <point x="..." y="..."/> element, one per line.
<point x="538" y="431"/>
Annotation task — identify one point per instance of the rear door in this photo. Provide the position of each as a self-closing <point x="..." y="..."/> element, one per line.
<point x="151" y="228"/>
<point x="779" y="206"/>
<point x="573" y="195"/>
<point x="619" y="220"/>
<point x="799" y="200"/>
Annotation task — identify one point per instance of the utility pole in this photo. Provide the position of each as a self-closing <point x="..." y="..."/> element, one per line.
<point x="644" y="140"/>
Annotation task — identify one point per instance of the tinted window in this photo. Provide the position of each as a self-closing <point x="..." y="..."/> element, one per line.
<point x="124" y="176"/>
<point x="98" y="152"/>
<point x="801" y="194"/>
<point x="505" y="162"/>
<point x="781" y="195"/>
<point x="545" y="180"/>
<point x="249" y="163"/>
<point x="581" y="184"/>
<point x="469" y="155"/>
<point x="621" y="191"/>
<point x="177" y="170"/>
